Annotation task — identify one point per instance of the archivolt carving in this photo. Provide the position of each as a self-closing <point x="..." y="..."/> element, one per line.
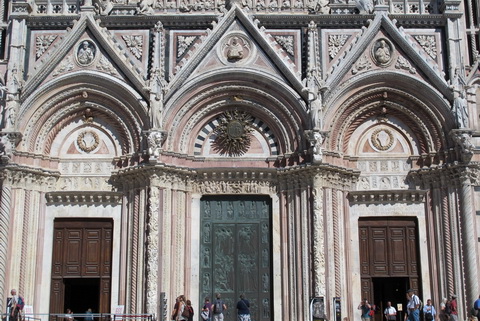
<point x="217" y="95"/>
<point x="373" y="99"/>
<point x="48" y="121"/>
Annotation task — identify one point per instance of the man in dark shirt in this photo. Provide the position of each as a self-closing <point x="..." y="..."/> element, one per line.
<point x="243" y="309"/>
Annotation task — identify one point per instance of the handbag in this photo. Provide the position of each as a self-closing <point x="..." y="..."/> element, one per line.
<point x="204" y="315"/>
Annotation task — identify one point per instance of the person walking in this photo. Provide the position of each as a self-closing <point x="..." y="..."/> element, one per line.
<point x="365" y="307"/>
<point x="243" y="309"/>
<point x="429" y="311"/>
<point x="207" y="310"/>
<point x="218" y="308"/>
<point x="15" y="305"/>
<point x="390" y="312"/>
<point x="453" y="308"/>
<point x="413" y="306"/>
<point x="190" y="310"/>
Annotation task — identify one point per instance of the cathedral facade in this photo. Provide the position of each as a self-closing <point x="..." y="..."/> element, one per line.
<point x="307" y="154"/>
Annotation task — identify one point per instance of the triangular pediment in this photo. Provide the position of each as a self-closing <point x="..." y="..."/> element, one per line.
<point x="237" y="42"/>
<point x="89" y="47"/>
<point x="383" y="46"/>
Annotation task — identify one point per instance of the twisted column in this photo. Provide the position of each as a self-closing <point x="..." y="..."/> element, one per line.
<point x="318" y="240"/>
<point x="468" y="243"/>
<point x="448" y="243"/>
<point x="134" y="256"/>
<point x="336" y="243"/>
<point x="5" y="203"/>
<point x="26" y="225"/>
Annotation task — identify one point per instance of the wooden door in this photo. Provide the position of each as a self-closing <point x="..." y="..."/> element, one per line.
<point x="388" y="249"/>
<point x="82" y="250"/>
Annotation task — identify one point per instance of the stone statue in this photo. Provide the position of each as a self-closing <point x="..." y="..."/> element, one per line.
<point x="157" y="88"/>
<point x="235" y="50"/>
<point x="460" y="110"/>
<point x="145" y="7"/>
<point x="382" y="53"/>
<point x="86" y="53"/>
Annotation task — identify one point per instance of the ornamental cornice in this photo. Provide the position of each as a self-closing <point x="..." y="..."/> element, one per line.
<point x="28" y="178"/>
<point x="382" y="197"/>
<point x="84" y="198"/>
<point x="330" y="175"/>
<point x="447" y="175"/>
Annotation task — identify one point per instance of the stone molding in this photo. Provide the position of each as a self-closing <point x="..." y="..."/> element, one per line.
<point x="82" y="198"/>
<point x="382" y="197"/>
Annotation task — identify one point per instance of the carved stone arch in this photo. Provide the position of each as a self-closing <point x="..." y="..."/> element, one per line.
<point x="58" y="104"/>
<point x="190" y="110"/>
<point x="385" y="104"/>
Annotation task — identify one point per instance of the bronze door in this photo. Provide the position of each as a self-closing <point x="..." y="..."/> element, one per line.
<point x="236" y="252"/>
<point x="81" y="265"/>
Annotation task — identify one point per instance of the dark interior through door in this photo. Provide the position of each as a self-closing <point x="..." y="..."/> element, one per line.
<point x="82" y="294"/>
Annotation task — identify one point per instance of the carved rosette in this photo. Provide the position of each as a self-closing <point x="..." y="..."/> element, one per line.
<point x="152" y="249"/>
<point x="233" y="133"/>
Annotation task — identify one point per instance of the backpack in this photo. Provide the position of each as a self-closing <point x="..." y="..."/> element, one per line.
<point x="372" y="310"/>
<point x="218" y="307"/>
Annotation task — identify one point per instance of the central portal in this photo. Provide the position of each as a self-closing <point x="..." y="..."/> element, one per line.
<point x="236" y="252"/>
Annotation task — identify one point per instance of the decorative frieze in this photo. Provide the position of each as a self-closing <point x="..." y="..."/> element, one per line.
<point x="287" y="43"/>
<point x="372" y="197"/>
<point x="82" y="197"/>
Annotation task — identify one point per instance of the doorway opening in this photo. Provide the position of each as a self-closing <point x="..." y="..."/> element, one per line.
<point x="82" y="294"/>
<point x="391" y="289"/>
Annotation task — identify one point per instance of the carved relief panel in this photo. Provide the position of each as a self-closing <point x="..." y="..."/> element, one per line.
<point x="235" y="252"/>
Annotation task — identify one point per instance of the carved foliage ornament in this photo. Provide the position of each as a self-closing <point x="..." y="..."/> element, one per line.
<point x="135" y="44"/>
<point x="335" y="43"/>
<point x="88" y="141"/>
<point x="233" y="133"/>
<point x="382" y="139"/>
<point x="42" y="43"/>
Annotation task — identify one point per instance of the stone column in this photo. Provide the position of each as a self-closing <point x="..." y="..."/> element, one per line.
<point x="318" y="238"/>
<point x="152" y="250"/>
<point x="5" y="203"/>
<point x="467" y="217"/>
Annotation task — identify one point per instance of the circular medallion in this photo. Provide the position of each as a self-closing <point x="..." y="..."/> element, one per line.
<point x="235" y="129"/>
<point x="382" y="139"/>
<point x="235" y="49"/>
<point x="382" y="52"/>
<point x="86" y="52"/>
<point x="88" y="141"/>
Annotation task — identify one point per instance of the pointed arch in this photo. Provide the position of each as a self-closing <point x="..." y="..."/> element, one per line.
<point x="115" y="107"/>
<point x="267" y="99"/>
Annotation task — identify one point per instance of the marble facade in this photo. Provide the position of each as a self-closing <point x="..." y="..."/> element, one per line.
<point x="337" y="110"/>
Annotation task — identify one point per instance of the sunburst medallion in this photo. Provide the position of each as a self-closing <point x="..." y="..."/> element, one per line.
<point x="234" y="133"/>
